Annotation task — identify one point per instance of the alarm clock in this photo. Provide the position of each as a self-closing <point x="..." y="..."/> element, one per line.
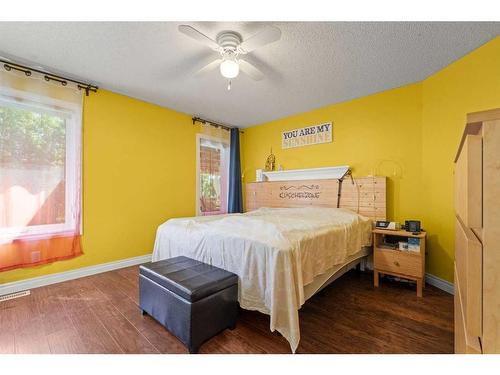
<point x="412" y="226"/>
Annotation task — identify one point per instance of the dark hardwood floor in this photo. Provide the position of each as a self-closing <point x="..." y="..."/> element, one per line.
<point x="99" y="314"/>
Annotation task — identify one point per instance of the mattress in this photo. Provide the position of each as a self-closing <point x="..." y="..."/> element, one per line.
<point x="276" y="252"/>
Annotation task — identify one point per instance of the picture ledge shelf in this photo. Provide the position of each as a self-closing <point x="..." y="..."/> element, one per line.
<point x="306" y="174"/>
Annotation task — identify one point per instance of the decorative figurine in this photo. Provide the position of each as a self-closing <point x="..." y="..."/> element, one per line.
<point x="270" y="161"/>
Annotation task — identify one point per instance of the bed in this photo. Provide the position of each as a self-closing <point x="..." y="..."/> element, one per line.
<point x="287" y="246"/>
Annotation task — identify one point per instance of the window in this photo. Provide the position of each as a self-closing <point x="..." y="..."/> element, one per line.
<point x="212" y="175"/>
<point x="38" y="169"/>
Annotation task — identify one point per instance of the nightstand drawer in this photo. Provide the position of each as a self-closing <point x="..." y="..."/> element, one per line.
<point x="398" y="262"/>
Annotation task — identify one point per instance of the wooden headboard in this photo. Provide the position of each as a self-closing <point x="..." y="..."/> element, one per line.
<point x="367" y="196"/>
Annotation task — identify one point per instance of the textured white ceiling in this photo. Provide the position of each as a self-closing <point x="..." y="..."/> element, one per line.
<point x="314" y="63"/>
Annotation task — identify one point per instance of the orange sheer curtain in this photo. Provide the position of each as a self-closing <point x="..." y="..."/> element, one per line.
<point x="40" y="171"/>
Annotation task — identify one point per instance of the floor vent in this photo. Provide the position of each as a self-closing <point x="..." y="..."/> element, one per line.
<point x="14" y="295"/>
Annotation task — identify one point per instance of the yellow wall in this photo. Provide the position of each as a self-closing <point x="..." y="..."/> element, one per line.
<point x="409" y="134"/>
<point x="378" y="134"/>
<point x="469" y="85"/>
<point x="138" y="171"/>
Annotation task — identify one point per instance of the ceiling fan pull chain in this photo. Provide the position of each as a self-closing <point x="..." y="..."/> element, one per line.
<point x="229" y="85"/>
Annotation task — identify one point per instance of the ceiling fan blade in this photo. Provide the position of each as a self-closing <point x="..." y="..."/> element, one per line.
<point x="199" y="37"/>
<point x="211" y="66"/>
<point x="250" y="70"/>
<point x="268" y="35"/>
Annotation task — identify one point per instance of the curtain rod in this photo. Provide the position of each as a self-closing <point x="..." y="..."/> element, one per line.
<point x="212" y="123"/>
<point x="28" y="71"/>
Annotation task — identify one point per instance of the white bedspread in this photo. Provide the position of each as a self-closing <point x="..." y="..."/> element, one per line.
<point x="274" y="251"/>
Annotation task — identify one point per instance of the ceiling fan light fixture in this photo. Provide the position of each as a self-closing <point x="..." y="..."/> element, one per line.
<point x="229" y="68"/>
<point x="230" y="45"/>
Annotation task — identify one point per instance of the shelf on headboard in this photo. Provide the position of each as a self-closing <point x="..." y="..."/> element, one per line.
<point x="307" y="174"/>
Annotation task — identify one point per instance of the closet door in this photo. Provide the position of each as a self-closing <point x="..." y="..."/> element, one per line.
<point x="468" y="183"/>
<point x="469" y="274"/>
<point x="460" y="339"/>
<point x="491" y="236"/>
<point x="465" y="343"/>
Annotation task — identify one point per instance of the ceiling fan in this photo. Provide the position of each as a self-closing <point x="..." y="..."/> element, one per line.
<point x="231" y="47"/>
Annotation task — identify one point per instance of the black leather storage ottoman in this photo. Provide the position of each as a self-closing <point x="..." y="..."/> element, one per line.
<point x="191" y="299"/>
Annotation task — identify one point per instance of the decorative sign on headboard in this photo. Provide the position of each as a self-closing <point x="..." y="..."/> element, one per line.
<point x="309" y="135"/>
<point x="298" y="191"/>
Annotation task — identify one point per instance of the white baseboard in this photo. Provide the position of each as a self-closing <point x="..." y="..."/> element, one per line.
<point x="54" y="278"/>
<point x="36" y="282"/>
<point x="440" y="283"/>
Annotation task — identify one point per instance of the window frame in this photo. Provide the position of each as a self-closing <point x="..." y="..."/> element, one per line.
<point x="226" y="143"/>
<point x="72" y="121"/>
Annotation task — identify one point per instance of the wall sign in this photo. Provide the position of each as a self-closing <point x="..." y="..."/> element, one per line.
<point x="309" y="135"/>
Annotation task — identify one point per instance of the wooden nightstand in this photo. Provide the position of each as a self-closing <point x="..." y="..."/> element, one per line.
<point x="405" y="264"/>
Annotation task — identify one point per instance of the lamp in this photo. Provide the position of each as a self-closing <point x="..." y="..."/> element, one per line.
<point x="229" y="68"/>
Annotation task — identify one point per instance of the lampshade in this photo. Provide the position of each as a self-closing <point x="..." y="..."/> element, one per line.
<point x="229" y="68"/>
